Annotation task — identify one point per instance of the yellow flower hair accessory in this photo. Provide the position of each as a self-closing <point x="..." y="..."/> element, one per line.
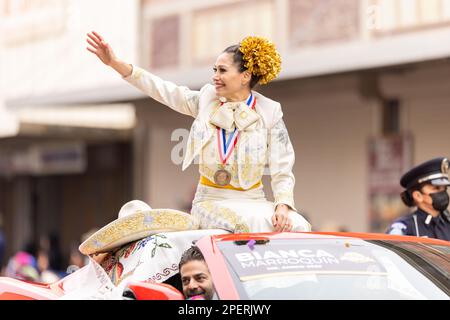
<point x="261" y="58"/>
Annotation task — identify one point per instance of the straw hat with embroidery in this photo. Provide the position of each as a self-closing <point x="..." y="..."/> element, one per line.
<point x="136" y="220"/>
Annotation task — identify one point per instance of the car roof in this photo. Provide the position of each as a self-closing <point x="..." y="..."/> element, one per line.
<point x="327" y="235"/>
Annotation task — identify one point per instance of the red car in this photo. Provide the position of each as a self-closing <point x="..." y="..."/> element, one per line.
<point x="298" y="266"/>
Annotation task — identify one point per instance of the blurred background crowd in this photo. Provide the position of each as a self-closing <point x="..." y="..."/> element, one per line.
<point x="364" y="89"/>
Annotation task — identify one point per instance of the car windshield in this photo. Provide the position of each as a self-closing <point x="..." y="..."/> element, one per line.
<point x="335" y="269"/>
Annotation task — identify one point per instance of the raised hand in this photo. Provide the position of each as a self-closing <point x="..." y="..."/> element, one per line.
<point x="100" y="48"/>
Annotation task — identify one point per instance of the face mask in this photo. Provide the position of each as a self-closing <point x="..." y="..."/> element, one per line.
<point x="440" y="200"/>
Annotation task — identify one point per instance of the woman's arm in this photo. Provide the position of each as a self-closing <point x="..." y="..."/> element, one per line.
<point x="281" y="162"/>
<point x="178" y="98"/>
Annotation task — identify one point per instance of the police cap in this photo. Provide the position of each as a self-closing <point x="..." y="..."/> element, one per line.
<point x="434" y="171"/>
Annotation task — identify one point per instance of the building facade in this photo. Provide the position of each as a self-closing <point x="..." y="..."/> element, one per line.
<point x="65" y="167"/>
<point x="364" y="90"/>
<point x="362" y="86"/>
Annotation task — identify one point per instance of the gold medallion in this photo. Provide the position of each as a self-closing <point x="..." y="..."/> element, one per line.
<point x="222" y="177"/>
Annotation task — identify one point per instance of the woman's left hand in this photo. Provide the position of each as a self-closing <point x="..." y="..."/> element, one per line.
<point x="280" y="220"/>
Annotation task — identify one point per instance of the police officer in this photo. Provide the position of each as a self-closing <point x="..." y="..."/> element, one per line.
<point x="426" y="189"/>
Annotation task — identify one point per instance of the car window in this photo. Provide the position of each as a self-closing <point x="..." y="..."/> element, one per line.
<point x="438" y="256"/>
<point x="325" y="269"/>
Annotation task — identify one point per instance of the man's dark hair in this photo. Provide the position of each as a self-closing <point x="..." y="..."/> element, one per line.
<point x="193" y="253"/>
<point x="238" y="59"/>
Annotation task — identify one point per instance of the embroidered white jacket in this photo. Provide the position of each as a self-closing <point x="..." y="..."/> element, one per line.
<point x="266" y="142"/>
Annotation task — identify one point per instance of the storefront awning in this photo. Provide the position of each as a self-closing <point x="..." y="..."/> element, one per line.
<point x="45" y="121"/>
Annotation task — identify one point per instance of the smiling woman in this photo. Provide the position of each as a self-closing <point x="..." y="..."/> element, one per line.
<point x="236" y="133"/>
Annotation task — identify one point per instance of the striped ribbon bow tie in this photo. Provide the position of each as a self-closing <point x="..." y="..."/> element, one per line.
<point x="233" y="115"/>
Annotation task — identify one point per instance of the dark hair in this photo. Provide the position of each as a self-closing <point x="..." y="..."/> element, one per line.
<point x="238" y="59"/>
<point x="407" y="196"/>
<point x="193" y="253"/>
<point x="54" y="252"/>
<point x="30" y="247"/>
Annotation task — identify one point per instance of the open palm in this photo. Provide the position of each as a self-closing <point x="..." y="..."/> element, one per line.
<point x="100" y="48"/>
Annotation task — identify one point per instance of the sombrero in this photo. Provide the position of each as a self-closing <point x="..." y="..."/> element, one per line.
<point x="136" y="220"/>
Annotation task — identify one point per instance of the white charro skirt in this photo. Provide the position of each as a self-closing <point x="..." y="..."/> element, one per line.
<point x="238" y="211"/>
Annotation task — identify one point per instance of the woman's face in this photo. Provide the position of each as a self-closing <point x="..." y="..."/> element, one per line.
<point x="423" y="198"/>
<point x="228" y="81"/>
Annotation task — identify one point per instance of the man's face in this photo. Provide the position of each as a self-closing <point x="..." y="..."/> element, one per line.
<point x="196" y="280"/>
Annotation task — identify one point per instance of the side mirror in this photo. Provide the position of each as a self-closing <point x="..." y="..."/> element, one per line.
<point x="151" y="291"/>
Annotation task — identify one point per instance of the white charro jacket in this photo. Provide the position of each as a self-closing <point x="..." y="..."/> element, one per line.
<point x="263" y="142"/>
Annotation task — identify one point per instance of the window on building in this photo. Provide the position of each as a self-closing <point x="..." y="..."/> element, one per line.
<point x="215" y="28"/>
<point x="391" y="116"/>
<point x="165" y="40"/>
<point x="403" y="15"/>
<point x="314" y="22"/>
<point x="24" y="21"/>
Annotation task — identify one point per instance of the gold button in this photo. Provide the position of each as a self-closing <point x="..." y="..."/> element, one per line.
<point x="243" y="114"/>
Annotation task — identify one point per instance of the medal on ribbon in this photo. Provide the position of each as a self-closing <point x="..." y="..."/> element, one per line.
<point x="226" y="146"/>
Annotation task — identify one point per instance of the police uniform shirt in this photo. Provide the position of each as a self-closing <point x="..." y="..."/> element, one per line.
<point x="427" y="225"/>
